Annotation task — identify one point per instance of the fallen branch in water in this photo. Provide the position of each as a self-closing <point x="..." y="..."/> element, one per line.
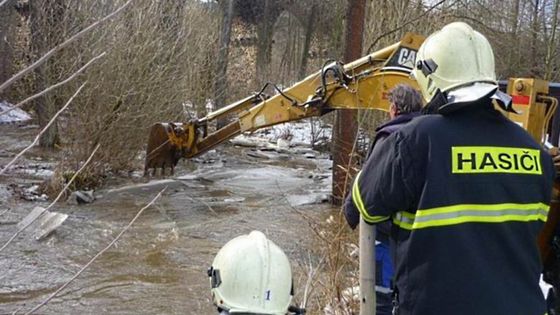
<point x="52" y="87"/>
<point x="2" y="171"/>
<point x="97" y="255"/>
<point x="51" y="52"/>
<point x="60" y="194"/>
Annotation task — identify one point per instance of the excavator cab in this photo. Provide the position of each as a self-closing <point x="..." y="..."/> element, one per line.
<point x="534" y="107"/>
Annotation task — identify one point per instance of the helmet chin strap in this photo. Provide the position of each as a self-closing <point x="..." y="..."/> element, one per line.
<point x="438" y="100"/>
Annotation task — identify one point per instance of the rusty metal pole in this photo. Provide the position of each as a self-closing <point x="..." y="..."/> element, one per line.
<point x="344" y="133"/>
<point x="344" y="137"/>
<point x="354" y="38"/>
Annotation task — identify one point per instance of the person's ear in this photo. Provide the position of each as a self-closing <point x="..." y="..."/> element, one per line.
<point x="393" y="109"/>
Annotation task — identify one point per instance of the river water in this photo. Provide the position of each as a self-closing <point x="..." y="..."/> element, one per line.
<point x="159" y="266"/>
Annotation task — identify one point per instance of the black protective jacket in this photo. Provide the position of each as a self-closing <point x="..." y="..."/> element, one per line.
<point x="383" y="131"/>
<point x="467" y="194"/>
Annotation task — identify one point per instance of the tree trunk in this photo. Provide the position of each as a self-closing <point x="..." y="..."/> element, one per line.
<point x="265" y="32"/>
<point x="309" y="30"/>
<point x="8" y="24"/>
<point x="220" y="81"/>
<point x="534" y="39"/>
<point x="345" y="128"/>
<point x="551" y="44"/>
<point x="46" y="18"/>
<point x="514" y="51"/>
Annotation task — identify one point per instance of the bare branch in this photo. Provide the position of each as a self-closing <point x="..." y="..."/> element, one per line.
<point x="311" y="274"/>
<point x="51" y="52"/>
<point x="54" y="201"/>
<point x="42" y="131"/>
<point x="3" y="2"/>
<point x="52" y="87"/>
<point x="97" y="255"/>
<point x="403" y="25"/>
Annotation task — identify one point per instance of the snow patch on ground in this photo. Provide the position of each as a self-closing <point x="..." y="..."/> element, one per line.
<point x="307" y="199"/>
<point x="4" y="193"/>
<point x="36" y="170"/>
<point x="14" y="116"/>
<point x="41" y="173"/>
<point x="29" y="192"/>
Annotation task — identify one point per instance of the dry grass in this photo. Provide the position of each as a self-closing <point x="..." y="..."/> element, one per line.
<point x="340" y="268"/>
<point x="331" y="269"/>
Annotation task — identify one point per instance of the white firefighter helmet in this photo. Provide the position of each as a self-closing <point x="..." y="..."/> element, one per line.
<point x="456" y="58"/>
<point x="251" y="274"/>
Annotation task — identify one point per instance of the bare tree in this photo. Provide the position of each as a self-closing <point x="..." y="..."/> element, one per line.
<point x="513" y="53"/>
<point x="265" y="31"/>
<point x="8" y="24"/>
<point x="309" y="30"/>
<point x="551" y="55"/>
<point x="220" y="80"/>
<point x="47" y="17"/>
<point x="535" y="27"/>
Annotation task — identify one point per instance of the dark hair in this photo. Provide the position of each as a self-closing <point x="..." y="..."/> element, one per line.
<point x="405" y="98"/>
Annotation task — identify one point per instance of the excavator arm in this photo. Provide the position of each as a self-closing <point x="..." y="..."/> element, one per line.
<point x="361" y="84"/>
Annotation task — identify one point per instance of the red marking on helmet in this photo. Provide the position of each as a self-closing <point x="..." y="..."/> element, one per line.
<point x="521" y="99"/>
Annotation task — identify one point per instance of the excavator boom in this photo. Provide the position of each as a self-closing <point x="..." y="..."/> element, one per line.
<point x="361" y="84"/>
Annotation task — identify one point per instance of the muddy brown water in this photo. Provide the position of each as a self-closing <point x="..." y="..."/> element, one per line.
<point x="159" y="265"/>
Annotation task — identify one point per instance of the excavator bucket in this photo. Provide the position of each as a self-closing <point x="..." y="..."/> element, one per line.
<point x="161" y="152"/>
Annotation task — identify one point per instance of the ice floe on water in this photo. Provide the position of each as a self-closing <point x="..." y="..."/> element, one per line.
<point x="306" y="133"/>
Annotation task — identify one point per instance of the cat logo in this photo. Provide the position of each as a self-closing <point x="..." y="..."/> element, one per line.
<point x="469" y="160"/>
<point x="406" y="57"/>
<point x="403" y="57"/>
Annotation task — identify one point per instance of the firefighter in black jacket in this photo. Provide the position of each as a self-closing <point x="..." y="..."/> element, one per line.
<point x="406" y="103"/>
<point x="467" y="190"/>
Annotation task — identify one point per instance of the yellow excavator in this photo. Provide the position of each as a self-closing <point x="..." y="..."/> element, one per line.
<point x="361" y="84"/>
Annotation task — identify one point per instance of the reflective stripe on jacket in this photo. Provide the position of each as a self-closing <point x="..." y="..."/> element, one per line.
<point x="350" y="210"/>
<point x="467" y="193"/>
